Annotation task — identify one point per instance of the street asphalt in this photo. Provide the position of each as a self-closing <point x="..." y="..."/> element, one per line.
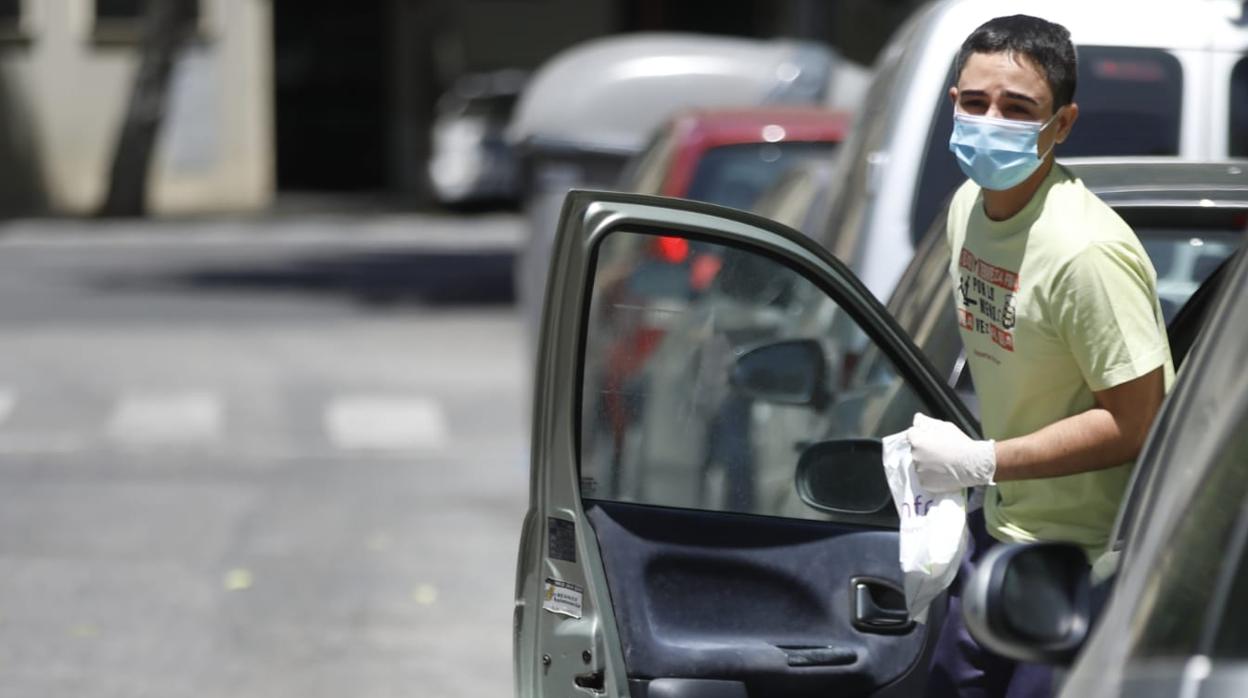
<point x="260" y="457"/>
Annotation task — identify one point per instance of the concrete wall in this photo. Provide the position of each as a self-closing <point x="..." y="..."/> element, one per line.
<point x="64" y="96"/>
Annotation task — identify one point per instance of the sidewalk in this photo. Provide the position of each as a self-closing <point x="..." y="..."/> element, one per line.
<point x="364" y="229"/>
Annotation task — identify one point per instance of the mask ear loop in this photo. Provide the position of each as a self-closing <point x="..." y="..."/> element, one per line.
<point x="1044" y="126"/>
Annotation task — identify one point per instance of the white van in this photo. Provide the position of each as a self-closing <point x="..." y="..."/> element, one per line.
<point x="1164" y="78"/>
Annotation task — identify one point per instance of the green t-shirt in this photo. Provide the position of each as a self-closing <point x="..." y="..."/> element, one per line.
<point x="1054" y="303"/>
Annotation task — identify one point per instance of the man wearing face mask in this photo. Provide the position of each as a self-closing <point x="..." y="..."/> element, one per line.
<point x="1064" y="336"/>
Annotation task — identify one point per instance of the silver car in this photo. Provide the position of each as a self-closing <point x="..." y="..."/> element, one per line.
<point x="656" y="591"/>
<point x="591" y="108"/>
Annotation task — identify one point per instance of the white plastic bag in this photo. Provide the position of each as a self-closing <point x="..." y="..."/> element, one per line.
<point x="933" y="529"/>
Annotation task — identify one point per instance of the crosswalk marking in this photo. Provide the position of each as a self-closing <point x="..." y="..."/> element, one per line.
<point x="365" y="423"/>
<point x="166" y="418"/>
<point x="386" y="423"/>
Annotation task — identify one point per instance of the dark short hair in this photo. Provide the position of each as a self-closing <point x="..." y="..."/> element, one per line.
<point x="1046" y="43"/>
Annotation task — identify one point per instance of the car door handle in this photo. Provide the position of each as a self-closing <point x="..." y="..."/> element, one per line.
<point x="819" y="656"/>
<point x="879" y="606"/>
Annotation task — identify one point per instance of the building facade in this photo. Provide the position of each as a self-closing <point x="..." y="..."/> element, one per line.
<point x="67" y="69"/>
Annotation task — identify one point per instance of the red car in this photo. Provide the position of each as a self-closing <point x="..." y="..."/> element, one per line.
<point x="729" y="156"/>
<point x="721" y="156"/>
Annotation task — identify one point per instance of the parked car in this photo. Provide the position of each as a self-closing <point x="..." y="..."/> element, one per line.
<point x="655" y="591"/>
<point x="471" y="161"/>
<point x="591" y="108"/>
<point x="1156" y="85"/>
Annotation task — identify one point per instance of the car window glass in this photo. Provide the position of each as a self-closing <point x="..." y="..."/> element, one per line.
<point x="789" y="199"/>
<point x="1175" y="603"/>
<point x="1231" y="638"/>
<point x="1239" y="109"/>
<point x="735" y="175"/>
<point x="648" y="171"/>
<point x="1130" y="101"/>
<point x="1183" y="259"/>
<point x="662" y="421"/>
<point x="1185" y="244"/>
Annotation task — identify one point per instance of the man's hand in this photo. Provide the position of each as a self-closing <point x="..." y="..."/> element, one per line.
<point x="948" y="460"/>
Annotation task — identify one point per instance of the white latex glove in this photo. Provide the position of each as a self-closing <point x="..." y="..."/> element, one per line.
<point x="948" y="460"/>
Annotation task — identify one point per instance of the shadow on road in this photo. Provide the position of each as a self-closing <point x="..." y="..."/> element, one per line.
<point x="372" y="278"/>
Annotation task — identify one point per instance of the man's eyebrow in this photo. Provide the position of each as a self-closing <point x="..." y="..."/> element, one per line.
<point x="1023" y="97"/>
<point x="1008" y="93"/>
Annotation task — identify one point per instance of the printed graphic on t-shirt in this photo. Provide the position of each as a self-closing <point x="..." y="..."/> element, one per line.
<point x="987" y="296"/>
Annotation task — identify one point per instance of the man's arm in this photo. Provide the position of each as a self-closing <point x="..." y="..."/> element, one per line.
<point x="1110" y="434"/>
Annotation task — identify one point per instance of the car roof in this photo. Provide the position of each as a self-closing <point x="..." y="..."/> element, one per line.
<point x="1196" y="25"/>
<point x="1126" y="181"/>
<point x="608" y="94"/>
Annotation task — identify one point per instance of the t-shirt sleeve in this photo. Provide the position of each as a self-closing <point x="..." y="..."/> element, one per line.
<point x="1106" y="311"/>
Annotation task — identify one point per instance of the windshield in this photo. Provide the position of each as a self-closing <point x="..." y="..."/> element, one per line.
<point x="736" y="175"/>
<point x="1130" y="101"/>
<point x="1185" y="246"/>
<point x="647" y="171"/>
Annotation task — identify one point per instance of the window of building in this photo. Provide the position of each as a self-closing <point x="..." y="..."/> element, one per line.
<point x="121" y="21"/>
<point x="12" y="20"/>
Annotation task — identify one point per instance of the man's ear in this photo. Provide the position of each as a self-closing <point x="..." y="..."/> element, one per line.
<point x="1066" y="121"/>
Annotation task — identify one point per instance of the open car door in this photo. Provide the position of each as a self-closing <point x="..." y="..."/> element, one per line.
<point x="708" y="511"/>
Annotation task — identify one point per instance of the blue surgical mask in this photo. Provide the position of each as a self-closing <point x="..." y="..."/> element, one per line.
<point x="997" y="154"/>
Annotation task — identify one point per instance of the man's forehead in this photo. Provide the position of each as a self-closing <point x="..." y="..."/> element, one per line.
<point x="1009" y="71"/>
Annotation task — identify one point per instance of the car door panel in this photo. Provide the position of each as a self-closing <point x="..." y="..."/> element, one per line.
<point x="684" y="586"/>
<point x="738" y="597"/>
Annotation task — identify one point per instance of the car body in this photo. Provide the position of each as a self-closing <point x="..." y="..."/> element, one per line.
<point x="1169" y="82"/>
<point x="592" y="107"/>
<point x="471" y="160"/>
<point x="661" y="590"/>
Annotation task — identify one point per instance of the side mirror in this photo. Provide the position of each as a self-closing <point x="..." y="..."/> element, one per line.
<point x="1031" y="602"/>
<point x="845" y="476"/>
<point x="790" y="372"/>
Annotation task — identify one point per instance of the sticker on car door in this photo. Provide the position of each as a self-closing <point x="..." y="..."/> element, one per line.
<point x="563" y="598"/>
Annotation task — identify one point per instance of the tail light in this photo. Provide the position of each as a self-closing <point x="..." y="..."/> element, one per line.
<point x="672" y="250"/>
